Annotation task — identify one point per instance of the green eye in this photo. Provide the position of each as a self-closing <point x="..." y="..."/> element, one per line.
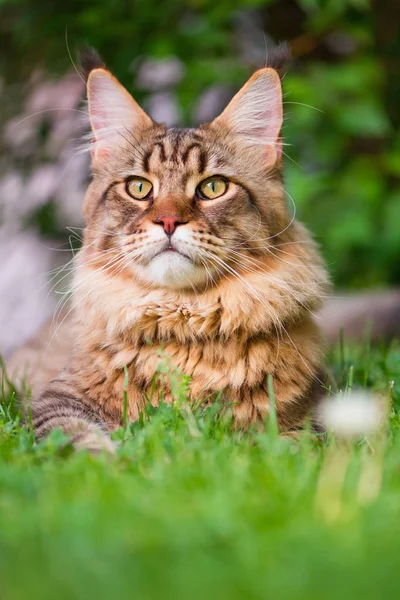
<point x="213" y="187"/>
<point x="138" y="188"/>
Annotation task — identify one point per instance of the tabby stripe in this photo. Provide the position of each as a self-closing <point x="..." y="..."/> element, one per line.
<point x="54" y="394"/>
<point x="61" y="402"/>
<point x="176" y="145"/>
<point x="163" y="155"/>
<point x="250" y="195"/>
<point x="203" y="161"/>
<point x="56" y="411"/>
<point x="196" y="136"/>
<point x="58" y="407"/>
<point x="45" y="420"/>
<point x="146" y="160"/>
<point x="58" y="423"/>
<point x="104" y="195"/>
<point x="59" y="417"/>
<point x="202" y="156"/>
<point x="52" y="422"/>
<point x="78" y="437"/>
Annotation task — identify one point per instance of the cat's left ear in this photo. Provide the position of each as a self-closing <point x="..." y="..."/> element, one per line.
<point x="255" y="114"/>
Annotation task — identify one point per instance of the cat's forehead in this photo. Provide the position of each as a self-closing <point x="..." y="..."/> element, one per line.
<point x="180" y="149"/>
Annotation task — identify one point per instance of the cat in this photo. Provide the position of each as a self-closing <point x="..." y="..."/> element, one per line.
<point x="190" y="250"/>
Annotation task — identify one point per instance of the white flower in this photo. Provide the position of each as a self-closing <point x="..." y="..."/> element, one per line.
<point x="352" y="415"/>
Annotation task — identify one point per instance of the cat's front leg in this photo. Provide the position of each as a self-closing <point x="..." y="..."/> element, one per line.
<point x="60" y="407"/>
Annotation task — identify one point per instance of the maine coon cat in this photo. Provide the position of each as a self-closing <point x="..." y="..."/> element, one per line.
<point x="190" y="249"/>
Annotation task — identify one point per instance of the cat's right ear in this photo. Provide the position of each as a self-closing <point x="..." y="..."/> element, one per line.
<point x="114" y="114"/>
<point x="255" y="114"/>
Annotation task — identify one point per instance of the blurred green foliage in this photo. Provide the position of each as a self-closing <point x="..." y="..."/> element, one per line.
<point x="345" y="153"/>
<point x="190" y="508"/>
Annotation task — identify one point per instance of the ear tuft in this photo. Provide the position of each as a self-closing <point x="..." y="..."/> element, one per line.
<point x="278" y="58"/>
<point x="89" y="59"/>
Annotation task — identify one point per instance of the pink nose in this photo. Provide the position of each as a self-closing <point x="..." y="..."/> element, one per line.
<point x="169" y="223"/>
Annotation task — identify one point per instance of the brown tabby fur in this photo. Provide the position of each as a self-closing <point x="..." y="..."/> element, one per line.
<point x="253" y="315"/>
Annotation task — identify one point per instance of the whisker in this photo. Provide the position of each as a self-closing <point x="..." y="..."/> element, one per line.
<point x="306" y="105"/>
<point x="272" y="253"/>
<point x="73" y="268"/>
<point x="261" y="264"/>
<point x="287" y="226"/>
<point x="112" y="263"/>
<point x="45" y="110"/>
<point x="138" y="146"/>
<point x="70" y="57"/>
<point x="104" y="232"/>
<point x="256" y="295"/>
<point x="136" y="152"/>
<point x="285" y="287"/>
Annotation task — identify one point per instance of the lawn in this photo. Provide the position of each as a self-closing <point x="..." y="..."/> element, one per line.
<point x="189" y="508"/>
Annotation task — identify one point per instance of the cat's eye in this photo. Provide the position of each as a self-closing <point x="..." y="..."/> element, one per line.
<point x="139" y="188"/>
<point x="211" y="188"/>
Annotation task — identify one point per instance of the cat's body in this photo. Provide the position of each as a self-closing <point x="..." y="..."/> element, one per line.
<point x="190" y="251"/>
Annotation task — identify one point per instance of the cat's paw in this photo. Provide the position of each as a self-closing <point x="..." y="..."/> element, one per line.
<point x="93" y="440"/>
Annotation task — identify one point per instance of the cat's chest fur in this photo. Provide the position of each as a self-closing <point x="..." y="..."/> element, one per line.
<point x="229" y="338"/>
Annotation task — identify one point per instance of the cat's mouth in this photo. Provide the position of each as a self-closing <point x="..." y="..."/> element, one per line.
<point x="169" y="248"/>
<point x="171" y="267"/>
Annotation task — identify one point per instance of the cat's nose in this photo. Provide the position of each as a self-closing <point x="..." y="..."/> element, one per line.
<point x="169" y="223"/>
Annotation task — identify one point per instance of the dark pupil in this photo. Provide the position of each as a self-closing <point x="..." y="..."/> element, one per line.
<point x="140" y="184"/>
<point x="213" y="186"/>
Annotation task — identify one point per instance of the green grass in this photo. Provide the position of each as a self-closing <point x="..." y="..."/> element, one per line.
<point x="191" y="509"/>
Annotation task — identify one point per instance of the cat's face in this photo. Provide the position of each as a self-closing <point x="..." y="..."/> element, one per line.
<point x="181" y="208"/>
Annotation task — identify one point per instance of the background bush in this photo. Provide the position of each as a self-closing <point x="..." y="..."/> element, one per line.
<point x="343" y="161"/>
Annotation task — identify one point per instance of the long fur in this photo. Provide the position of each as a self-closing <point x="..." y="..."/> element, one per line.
<point x="229" y="297"/>
<point x="89" y="59"/>
<point x="278" y="58"/>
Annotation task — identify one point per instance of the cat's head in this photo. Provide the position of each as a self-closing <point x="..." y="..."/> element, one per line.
<point x="181" y="208"/>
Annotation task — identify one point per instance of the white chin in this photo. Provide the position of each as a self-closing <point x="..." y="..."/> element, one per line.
<point x="171" y="269"/>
